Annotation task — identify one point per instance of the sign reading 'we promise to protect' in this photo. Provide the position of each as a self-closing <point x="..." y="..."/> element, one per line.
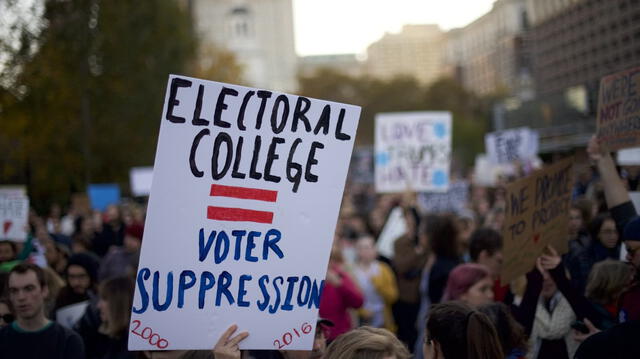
<point x="246" y="190"/>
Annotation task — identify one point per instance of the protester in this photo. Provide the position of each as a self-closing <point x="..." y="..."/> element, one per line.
<point x="81" y="278"/>
<point x="471" y="284"/>
<point x="456" y="331"/>
<point x="578" y="260"/>
<point x="367" y="343"/>
<point x="32" y="335"/>
<point x="442" y="234"/>
<point x="513" y="339"/>
<point x="116" y="299"/>
<point x="8" y="255"/>
<point x="339" y="295"/>
<point x="607" y="282"/>
<point x="8" y="251"/>
<point x="57" y="255"/>
<point x="378" y="285"/>
<point x="122" y="261"/>
<point x="410" y="256"/>
<point x="606" y="243"/>
<point x="485" y="247"/>
<point x="627" y="222"/>
<point x="551" y="336"/>
<point x="112" y="232"/>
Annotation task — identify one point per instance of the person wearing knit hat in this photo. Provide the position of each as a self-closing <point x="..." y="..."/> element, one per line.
<point x="80" y="275"/>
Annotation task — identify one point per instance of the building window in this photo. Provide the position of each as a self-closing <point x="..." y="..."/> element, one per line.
<point x="240" y="23"/>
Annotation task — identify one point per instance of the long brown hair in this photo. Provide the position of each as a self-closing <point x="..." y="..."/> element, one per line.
<point x="118" y="294"/>
<point x="607" y="281"/>
<point x="463" y="332"/>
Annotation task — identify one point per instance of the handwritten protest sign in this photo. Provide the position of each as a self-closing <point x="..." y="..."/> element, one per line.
<point x="14" y="213"/>
<point x="452" y="201"/>
<point x="517" y="144"/>
<point x="412" y="151"/>
<point x="619" y="110"/>
<point x="537" y="214"/>
<point x="246" y="190"/>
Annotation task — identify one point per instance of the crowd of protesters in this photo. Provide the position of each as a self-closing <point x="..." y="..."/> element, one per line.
<point x="438" y="296"/>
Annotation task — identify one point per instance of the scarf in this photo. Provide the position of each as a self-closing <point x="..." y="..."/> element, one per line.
<point x="553" y="325"/>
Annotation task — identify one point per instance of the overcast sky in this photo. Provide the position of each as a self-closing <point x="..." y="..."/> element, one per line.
<point x="348" y="26"/>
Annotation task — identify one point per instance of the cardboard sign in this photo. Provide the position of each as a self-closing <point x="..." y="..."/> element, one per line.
<point x="619" y="110"/>
<point x="103" y="195"/>
<point x="140" y="179"/>
<point x="14" y="213"/>
<point x="518" y="144"/>
<point x="453" y="201"/>
<point x="537" y="214"/>
<point x="246" y="191"/>
<point x="69" y="315"/>
<point x="413" y="151"/>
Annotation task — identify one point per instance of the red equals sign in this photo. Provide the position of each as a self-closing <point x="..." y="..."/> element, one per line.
<point x="241" y="214"/>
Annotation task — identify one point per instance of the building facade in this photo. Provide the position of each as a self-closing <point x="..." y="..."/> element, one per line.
<point x="489" y="55"/>
<point x="572" y="48"/>
<point x="416" y="51"/>
<point x="258" y="32"/>
<point x="348" y="64"/>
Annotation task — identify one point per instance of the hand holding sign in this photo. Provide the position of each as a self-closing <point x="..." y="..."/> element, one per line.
<point x="551" y="260"/>
<point x="227" y="346"/>
<point x="234" y="233"/>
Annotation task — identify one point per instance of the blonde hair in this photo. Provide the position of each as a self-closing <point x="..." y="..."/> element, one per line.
<point x="367" y="343"/>
<point x="607" y="280"/>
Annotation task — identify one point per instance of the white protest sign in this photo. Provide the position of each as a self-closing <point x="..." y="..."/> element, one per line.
<point x="140" y="179"/>
<point x="412" y="151"/>
<point x="516" y="144"/>
<point x="395" y="228"/>
<point x="452" y="201"/>
<point x="14" y="213"/>
<point x="629" y="156"/>
<point x="69" y="315"/>
<point x="246" y="191"/>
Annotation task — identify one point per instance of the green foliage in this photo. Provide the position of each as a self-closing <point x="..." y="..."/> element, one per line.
<point x="86" y="106"/>
<point x="470" y="113"/>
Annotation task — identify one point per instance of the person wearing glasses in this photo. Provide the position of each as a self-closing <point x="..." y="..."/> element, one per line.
<point x="627" y="222"/>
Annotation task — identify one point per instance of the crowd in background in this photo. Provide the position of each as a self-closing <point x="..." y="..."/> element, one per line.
<point x="438" y="296"/>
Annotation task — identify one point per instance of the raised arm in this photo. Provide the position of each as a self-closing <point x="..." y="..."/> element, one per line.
<point x="614" y="190"/>
<point x="581" y="306"/>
